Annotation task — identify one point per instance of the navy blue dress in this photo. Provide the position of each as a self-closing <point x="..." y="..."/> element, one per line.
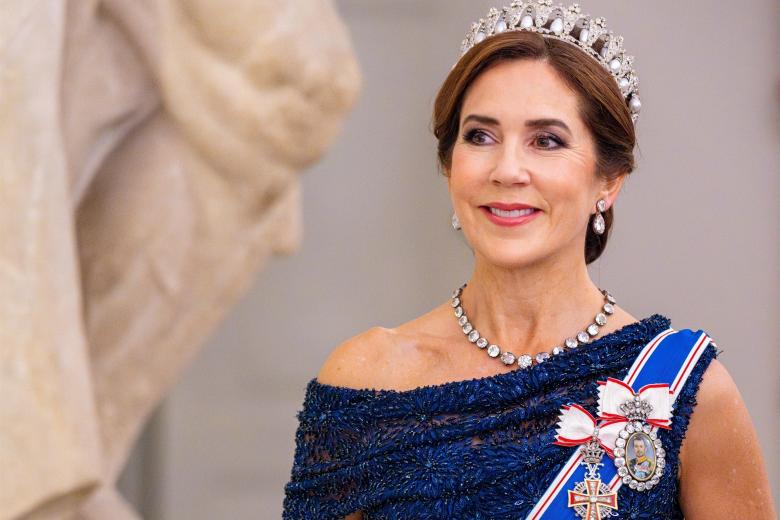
<point x="479" y="449"/>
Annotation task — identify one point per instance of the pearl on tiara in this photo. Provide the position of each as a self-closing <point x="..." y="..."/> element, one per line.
<point x="568" y="24"/>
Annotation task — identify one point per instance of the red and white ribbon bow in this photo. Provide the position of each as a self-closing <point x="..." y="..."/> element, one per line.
<point x="614" y="392"/>
<point x="576" y="426"/>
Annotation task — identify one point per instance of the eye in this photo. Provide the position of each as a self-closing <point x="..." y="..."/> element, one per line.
<point x="475" y="136"/>
<point x="546" y="138"/>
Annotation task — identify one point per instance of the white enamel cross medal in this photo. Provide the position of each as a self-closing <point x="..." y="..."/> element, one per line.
<point x="592" y="498"/>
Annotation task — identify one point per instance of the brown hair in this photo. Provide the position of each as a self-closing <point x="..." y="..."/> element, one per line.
<point x="602" y="107"/>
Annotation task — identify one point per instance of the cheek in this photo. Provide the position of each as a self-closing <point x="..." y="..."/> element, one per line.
<point x="571" y="184"/>
<point x="466" y="171"/>
<point x="466" y="163"/>
<point x="564" y="193"/>
<point x="567" y="204"/>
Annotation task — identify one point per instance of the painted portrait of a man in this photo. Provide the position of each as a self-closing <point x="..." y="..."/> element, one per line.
<point x="641" y="457"/>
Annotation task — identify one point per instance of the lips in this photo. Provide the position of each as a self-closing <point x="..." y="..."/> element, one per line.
<point x="511" y="217"/>
<point x="512" y="212"/>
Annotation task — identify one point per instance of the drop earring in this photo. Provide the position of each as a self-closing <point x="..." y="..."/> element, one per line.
<point x="455" y="222"/>
<point x="598" y="223"/>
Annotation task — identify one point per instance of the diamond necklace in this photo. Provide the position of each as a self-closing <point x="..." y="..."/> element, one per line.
<point x="525" y="360"/>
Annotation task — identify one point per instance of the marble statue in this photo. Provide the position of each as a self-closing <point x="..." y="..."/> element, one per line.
<point x="149" y="160"/>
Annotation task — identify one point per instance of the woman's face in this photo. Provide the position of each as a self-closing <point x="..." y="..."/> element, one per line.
<point x="521" y="141"/>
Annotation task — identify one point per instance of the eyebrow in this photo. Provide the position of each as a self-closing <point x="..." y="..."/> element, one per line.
<point x="530" y="123"/>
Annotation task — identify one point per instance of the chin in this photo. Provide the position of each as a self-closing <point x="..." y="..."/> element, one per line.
<point x="512" y="257"/>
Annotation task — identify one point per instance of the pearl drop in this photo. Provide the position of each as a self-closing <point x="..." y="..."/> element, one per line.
<point x="614" y="65"/>
<point x="500" y="27"/>
<point x="584" y="35"/>
<point x="623" y="83"/>
<point x="526" y="22"/>
<point x="557" y="26"/>
<point x="479" y="37"/>
<point x="635" y="104"/>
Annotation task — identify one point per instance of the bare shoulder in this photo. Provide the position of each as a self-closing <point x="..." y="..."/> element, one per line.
<point x="721" y="458"/>
<point x="716" y="397"/>
<point x="717" y="389"/>
<point x="351" y="363"/>
<point x="398" y="358"/>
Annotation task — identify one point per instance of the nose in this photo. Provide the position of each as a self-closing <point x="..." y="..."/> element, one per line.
<point x="510" y="167"/>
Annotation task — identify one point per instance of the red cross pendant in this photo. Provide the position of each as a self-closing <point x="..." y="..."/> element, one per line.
<point x="593" y="498"/>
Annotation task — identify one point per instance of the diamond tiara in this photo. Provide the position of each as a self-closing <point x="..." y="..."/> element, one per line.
<point x="564" y="23"/>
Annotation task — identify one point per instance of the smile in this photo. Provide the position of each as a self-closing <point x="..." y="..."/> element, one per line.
<point x="511" y="213"/>
<point x="513" y="217"/>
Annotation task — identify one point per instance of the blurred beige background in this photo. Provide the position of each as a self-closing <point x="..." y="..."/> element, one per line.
<point x="696" y="238"/>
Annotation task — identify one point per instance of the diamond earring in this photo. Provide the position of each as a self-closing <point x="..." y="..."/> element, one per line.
<point x="598" y="223"/>
<point x="455" y="222"/>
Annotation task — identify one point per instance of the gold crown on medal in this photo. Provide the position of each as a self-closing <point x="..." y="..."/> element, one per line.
<point x="568" y="24"/>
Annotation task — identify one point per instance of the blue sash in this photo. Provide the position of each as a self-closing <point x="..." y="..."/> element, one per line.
<point x="669" y="359"/>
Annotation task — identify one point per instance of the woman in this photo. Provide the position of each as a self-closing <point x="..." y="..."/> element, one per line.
<point x="500" y="402"/>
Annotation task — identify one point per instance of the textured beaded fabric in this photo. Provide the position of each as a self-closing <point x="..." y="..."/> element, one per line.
<point x="478" y="449"/>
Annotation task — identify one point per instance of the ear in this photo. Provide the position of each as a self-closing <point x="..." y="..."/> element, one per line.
<point x="612" y="189"/>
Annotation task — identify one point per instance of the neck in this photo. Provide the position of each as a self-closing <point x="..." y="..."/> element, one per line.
<point x="532" y="309"/>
